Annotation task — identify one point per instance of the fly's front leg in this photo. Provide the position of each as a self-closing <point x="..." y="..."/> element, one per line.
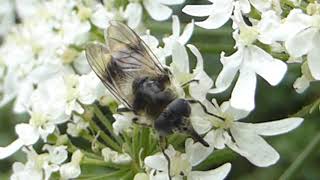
<point x="135" y="119"/>
<point x="124" y="109"/>
<point x="163" y="145"/>
<point x="139" y="122"/>
<point x="188" y="82"/>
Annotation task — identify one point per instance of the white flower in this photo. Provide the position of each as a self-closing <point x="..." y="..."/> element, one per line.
<point x="249" y="60"/>
<point x="40" y="166"/>
<point x="157" y="9"/>
<point x="57" y="155"/>
<point x="101" y="16"/>
<point x="219" y="12"/>
<point x="133" y="14"/>
<point x="72" y="169"/>
<point x="306" y="41"/>
<point x="141" y="176"/>
<point x="123" y="122"/>
<point x="153" y="44"/>
<point x="81" y="64"/>
<point x="30" y="170"/>
<point x="182" y="38"/>
<point x="181" y="165"/>
<point x="48" y="105"/>
<point x="76" y="126"/>
<point x="244" y="138"/>
<point x="27" y="135"/>
<point x="303" y="82"/>
<point x="7" y="16"/>
<point x="68" y="26"/>
<point x="113" y="156"/>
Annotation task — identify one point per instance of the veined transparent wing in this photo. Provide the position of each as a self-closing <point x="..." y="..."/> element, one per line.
<point x="124" y="58"/>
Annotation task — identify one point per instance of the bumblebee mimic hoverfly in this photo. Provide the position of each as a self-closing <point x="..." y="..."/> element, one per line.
<point x="135" y="77"/>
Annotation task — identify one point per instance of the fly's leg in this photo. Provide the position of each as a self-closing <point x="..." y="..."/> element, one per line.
<point x="163" y="145"/>
<point x="124" y="109"/>
<point x="188" y="82"/>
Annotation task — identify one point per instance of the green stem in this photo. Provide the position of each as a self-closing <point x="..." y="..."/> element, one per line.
<point x="296" y="165"/>
<point x="92" y="139"/>
<point x="105" y="137"/>
<point x="128" y="144"/>
<point x="97" y="162"/>
<point x="144" y="141"/>
<point x="110" y="176"/>
<point x="106" y="123"/>
<point x="135" y="143"/>
<point x="72" y="148"/>
<point x="288" y="3"/>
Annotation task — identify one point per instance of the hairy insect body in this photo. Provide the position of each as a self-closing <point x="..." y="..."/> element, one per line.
<point x="174" y="118"/>
<point x="151" y="96"/>
<point x="158" y="102"/>
<point x="135" y="77"/>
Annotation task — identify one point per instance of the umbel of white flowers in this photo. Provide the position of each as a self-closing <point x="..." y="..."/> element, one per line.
<point x="44" y="70"/>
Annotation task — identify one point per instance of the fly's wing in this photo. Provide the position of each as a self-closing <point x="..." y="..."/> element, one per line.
<point x="127" y="47"/>
<point x="125" y="58"/>
<point x="99" y="58"/>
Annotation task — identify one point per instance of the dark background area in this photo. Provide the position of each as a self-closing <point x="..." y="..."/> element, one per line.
<point x="272" y="103"/>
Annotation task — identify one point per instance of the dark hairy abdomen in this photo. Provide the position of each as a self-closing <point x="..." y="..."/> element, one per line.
<point x="151" y="96"/>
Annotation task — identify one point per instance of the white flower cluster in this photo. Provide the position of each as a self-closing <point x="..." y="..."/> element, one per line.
<point x="44" y="70"/>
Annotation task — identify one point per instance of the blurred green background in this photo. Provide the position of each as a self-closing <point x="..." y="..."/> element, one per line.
<point x="272" y="103"/>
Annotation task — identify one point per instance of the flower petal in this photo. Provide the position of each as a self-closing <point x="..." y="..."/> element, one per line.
<point x="215" y="174"/>
<point x="230" y="68"/>
<point x="27" y="133"/>
<point x="301" y="43"/>
<point x="171" y="2"/>
<point x="242" y="96"/>
<point x="274" y="127"/>
<point x="236" y="114"/>
<point x="196" y="152"/>
<point x="101" y="17"/>
<point x="187" y="33"/>
<point x="218" y="138"/>
<point x="259" y="152"/>
<point x="198" y="10"/>
<point x="221" y="14"/>
<point x="122" y="122"/>
<point x="199" y="90"/>
<point x="261" y="5"/>
<point x="175" y="26"/>
<point x="133" y="13"/>
<point x="180" y="57"/>
<point x="157" y="162"/>
<point x="272" y="70"/>
<point x="70" y="171"/>
<point x="141" y="176"/>
<point x="313" y="58"/>
<point x="199" y="123"/>
<point x="156" y="10"/>
<point x="301" y="84"/>
<point x="11" y="148"/>
<point x="245" y="6"/>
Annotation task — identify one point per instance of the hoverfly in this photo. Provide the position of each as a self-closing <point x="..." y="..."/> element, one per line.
<point x="135" y="77"/>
